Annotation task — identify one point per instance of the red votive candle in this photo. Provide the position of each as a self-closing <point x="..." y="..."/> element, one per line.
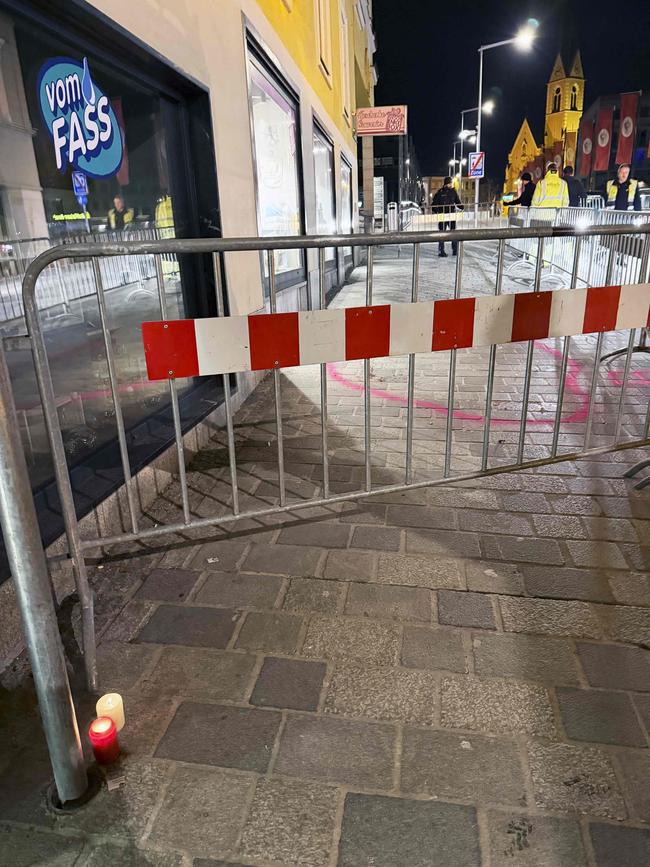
<point x="103" y="737"/>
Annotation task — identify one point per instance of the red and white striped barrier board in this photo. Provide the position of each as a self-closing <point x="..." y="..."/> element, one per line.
<point x="202" y="347"/>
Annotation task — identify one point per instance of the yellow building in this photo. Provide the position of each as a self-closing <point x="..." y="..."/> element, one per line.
<point x="564" y="105"/>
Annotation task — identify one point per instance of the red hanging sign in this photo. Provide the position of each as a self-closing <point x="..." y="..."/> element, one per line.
<point x="603" y="139"/>
<point x="586" y="147"/>
<point x="627" y="127"/>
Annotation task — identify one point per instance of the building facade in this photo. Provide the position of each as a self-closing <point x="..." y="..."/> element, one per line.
<point x="563" y="111"/>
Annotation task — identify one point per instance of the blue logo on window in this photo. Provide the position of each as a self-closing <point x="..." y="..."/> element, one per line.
<point x="80" y="119"/>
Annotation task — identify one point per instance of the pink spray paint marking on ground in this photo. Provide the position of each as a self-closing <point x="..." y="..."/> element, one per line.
<point x="637" y="377"/>
<point x="573" y="386"/>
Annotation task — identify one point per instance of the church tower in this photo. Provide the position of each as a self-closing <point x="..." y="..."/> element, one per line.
<point x="564" y="104"/>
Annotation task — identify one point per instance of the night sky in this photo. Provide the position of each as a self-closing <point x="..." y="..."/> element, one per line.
<point x="427" y="58"/>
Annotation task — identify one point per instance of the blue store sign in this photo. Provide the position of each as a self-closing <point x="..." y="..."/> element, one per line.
<point x="80" y="119"/>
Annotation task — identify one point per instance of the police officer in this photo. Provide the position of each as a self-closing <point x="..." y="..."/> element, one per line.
<point x="622" y="194"/>
<point x="445" y="202"/>
<point x="551" y="191"/>
<point x="119" y="215"/>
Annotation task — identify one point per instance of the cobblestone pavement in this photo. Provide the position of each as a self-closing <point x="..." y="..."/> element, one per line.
<point x="452" y="676"/>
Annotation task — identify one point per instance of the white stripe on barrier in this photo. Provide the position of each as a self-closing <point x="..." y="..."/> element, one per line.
<point x="632" y="305"/>
<point x="222" y="344"/>
<point x="411" y="327"/>
<point x="567" y="312"/>
<point x="493" y="319"/>
<point x="322" y="336"/>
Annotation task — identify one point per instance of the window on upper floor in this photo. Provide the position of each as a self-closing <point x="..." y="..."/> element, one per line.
<point x="345" y="66"/>
<point x="574" y="98"/>
<point x="556" y="99"/>
<point x="324" y="28"/>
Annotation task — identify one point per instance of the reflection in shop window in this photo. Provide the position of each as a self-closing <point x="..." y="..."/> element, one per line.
<point x="346" y="203"/>
<point x="274" y="116"/>
<point x="324" y="175"/>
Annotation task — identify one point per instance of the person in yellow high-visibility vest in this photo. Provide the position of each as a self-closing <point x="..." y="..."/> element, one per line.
<point x="552" y="191"/>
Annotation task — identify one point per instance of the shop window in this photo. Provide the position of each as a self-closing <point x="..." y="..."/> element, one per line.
<point x="274" y="113"/>
<point x="324" y="176"/>
<point x="324" y="30"/>
<point x="556" y="99"/>
<point x="346" y="202"/>
<point x="345" y="66"/>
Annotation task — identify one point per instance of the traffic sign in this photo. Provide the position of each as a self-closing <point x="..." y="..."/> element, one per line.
<point x="476" y="164"/>
<point x="79" y="184"/>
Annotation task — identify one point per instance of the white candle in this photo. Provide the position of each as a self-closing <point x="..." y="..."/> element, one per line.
<point x="111" y="705"/>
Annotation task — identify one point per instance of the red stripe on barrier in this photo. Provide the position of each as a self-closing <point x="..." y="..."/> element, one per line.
<point x="170" y="349"/>
<point x="453" y="324"/>
<point x="601" y="309"/>
<point x="367" y="331"/>
<point x="531" y="316"/>
<point x="274" y="340"/>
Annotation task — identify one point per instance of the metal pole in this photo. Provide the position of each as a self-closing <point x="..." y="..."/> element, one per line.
<point x="36" y="603"/>
<point x="411" y="374"/>
<point x="478" y="128"/>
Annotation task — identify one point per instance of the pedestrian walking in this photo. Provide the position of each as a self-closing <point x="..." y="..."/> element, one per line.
<point x="577" y="192"/>
<point x="622" y="193"/>
<point x="526" y="193"/>
<point x="551" y="191"/>
<point x="446" y="202"/>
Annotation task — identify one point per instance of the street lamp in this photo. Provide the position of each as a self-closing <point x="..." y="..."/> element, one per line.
<point x="523" y="41"/>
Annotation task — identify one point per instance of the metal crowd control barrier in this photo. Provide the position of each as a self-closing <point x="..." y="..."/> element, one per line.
<point x="481" y="321"/>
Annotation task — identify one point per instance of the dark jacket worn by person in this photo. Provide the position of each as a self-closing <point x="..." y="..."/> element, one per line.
<point x="623" y="196"/>
<point x="577" y="192"/>
<point x="526" y="196"/>
<point x="445" y="201"/>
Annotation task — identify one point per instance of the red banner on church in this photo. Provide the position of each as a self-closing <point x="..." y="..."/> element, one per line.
<point x="627" y="127"/>
<point x="586" y="147"/>
<point x="603" y="139"/>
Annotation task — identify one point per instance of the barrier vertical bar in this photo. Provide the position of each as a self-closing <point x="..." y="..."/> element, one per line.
<point x="452" y="368"/>
<point x="411" y="374"/>
<point x="277" y="386"/>
<point x="598" y="350"/>
<point x="225" y="379"/>
<point x="492" y="362"/>
<point x="36" y="603"/>
<point x="529" y="359"/>
<point x="366" y="375"/>
<point x="323" y="379"/>
<point x="566" y="346"/>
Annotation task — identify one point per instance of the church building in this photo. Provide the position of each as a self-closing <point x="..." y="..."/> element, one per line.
<point x="564" y="104"/>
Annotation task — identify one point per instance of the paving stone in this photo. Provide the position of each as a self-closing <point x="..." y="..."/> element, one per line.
<point x="526" y="502"/>
<point x="489" y="522"/>
<point x="349" y="566"/>
<point x="357" y="689"/>
<point x="129" y="621"/>
<point x="200" y="673"/>
<point x="337" y="751"/>
<point x="635" y="768"/>
<point x="223" y="555"/>
<point x="495" y="706"/>
<point x="494" y="577"/>
<point x="368" y="640"/>
<point x="212" y="734"/>
<point x="443" y="543"/>
<point x="376" y="538"/>
<point x="615" y="667"/>
<point x="389" y="603"/>
<point x="313" y="594"/>
<point x="559" y="526"/>
<point x="614" y="529"/>
<point x="289" y="683"/>
<point x="421" y="516"/>
<point x="522" y="550"/>
<point x="419" y="571"/>
<point x="597" y="554"/>
<point x="121" y="665"/>
<point x="363" y="512"/>
<point x="602" y="717"/>
<point x="630" y="588"/>
<point x="323" y="534"/>
<point x="461" y="608"/>
<point x="433" y="648"/>
<point x="642" y="703"/>
<point x="168" y="585"/>
<point x="25" y="847"/>
<point x="474" y="768"/>
<point x="282" y="559"/>
<point x="575" y="505"/>
<point x="291" y="822"/>
<point x="534" y="841"/>
<point x="395" y="832"/>
<point x="203" y="810"/>
<point x="549" y="617"/>
<point x="147" y="720"/>
<point x="625" y="623"/>
<point x="234" y="590"/>
<point x="574" y="779"/>
<point x="195" y="627"/>
<point x="109" y="854"/>
<point x="529" y="657"/>
<point x="620" y="847"/>
<point x="566" y="583"/>
<point x="274" y="631"/>
<point x="637" y="555"/>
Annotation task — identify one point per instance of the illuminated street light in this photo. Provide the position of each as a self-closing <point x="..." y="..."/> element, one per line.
<point x="525" y="38"/>
<point x="488" y="106"/>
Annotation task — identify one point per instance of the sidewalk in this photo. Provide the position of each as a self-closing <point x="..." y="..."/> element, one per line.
<point x="453" y="676"/>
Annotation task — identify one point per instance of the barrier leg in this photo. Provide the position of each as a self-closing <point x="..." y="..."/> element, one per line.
<point x="36" y="603"/>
